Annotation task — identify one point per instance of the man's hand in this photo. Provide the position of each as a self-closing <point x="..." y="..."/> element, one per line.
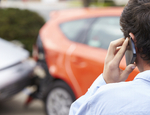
<point x="112" y="73"/>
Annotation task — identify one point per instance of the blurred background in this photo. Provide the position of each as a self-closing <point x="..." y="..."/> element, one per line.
<point x="20" y="22"/>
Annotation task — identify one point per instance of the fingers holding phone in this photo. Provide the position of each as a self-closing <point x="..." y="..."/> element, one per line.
<point x="112" y="73"/>
<point x="130" y="53"/>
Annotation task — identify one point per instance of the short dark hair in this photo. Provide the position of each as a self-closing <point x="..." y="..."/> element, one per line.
<point x="135" y="18"/>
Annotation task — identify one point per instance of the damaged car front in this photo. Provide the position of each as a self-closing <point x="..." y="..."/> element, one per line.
<point x="16" y="69"/>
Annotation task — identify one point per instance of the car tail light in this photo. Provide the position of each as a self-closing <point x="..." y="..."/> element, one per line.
<point x="38" y="51"/>
<point x="35" y="53"/>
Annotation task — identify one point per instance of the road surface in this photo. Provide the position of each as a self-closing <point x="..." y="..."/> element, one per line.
<point x="15" y="106"/>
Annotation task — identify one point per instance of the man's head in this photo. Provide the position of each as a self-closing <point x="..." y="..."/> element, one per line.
<point x="136" y="19"/>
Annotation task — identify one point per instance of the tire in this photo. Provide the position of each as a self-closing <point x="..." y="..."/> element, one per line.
<point x="59" y="99"/>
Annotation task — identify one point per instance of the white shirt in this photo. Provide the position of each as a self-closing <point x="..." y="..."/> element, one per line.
<point x="124" y="98"/>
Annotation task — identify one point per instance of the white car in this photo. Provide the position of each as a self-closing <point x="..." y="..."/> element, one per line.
<point x="16" y="69"/>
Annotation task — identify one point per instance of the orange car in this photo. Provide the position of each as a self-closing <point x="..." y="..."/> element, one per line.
<point x="71" y="47"/>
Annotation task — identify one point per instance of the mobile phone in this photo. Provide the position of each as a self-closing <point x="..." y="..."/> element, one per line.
<point x="130" y="53"/>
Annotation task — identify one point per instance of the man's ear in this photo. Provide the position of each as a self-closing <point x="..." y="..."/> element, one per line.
<point x="132" y="36"/>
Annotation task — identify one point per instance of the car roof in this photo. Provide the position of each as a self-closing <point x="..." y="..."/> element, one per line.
<point x="69" y="14"/>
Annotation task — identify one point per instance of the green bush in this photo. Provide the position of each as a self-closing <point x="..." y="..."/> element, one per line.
<point x="102" y="4"/>
<point x="21" y="25"/>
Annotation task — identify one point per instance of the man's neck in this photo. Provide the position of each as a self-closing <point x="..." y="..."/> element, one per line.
<point x="142" y="65"/>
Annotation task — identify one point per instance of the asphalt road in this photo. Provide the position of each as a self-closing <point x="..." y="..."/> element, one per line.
<point x="15" y="106"/>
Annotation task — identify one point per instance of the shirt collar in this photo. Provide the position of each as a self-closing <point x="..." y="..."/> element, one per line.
<point x="143" y="75"/>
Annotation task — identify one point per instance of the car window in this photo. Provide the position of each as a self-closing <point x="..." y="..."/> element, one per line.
<point x="72" y="29"/>
<point x="103" y="31"/>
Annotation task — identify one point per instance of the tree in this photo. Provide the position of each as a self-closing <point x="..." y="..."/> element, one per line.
<point x="86" y="3"/>
<point x="20" y="25"/>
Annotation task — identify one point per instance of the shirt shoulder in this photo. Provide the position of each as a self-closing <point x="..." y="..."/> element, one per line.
<point x="111" y="99"/>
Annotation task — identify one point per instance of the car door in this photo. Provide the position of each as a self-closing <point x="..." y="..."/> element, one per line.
<point x="73" y="30"/>
<point x="86" y="63"/>
<point x="85" y="57"/>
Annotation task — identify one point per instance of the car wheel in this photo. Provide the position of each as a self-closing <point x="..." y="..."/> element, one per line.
<point x="59" y="99"/>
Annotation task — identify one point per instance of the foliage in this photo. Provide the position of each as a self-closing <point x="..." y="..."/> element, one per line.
<point x="98" y="3"/>
<point x="92" y="3"/>
<point x="102" y="4"/>
<point x="21" y="25"/>
<point x="86" y="3"/>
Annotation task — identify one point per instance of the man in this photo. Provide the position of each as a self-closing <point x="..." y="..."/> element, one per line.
<point x="109" y="94"/>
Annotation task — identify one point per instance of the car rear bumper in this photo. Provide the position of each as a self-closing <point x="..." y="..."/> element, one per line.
<point x="15" y="78"/>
